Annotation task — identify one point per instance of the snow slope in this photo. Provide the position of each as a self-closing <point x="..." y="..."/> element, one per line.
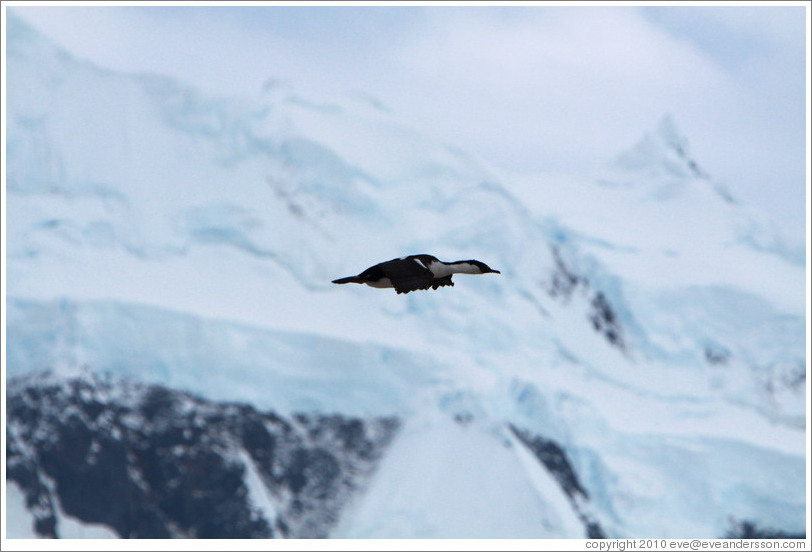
<point x="20" y="521"/>
<point x="440" y="475"/>
<point x="644" y="320"/>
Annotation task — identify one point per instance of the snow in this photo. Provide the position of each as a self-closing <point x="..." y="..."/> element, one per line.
<point x="690" y="479"/>
<point x="162" y="234"/>
<point x="71" y="528"/>
<point x="218" y="359"/>
<point x="442" y="480"/>
<point x="258" y="493"/>
<point x="19" y="520"/>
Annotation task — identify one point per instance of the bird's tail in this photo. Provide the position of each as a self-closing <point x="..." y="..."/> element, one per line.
<point x="348" y="280"/>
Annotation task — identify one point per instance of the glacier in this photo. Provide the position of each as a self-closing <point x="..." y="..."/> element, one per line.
<point x="645" y="320"/>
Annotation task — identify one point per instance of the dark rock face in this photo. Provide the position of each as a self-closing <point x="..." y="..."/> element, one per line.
<point x="554" y="458"/>
<point x="150" y="462"/>
<point x="750" y="530"/>
<point x="605" y="321"/>
<point x="564" y="282"/>
<point x="716" y="355"/>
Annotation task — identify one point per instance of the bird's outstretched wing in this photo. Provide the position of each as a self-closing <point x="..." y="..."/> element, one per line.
<point x="442" y="282"/>
<point x="408" y="275"/>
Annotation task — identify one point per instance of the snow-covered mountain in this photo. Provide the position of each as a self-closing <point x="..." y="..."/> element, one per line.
<point x="637" y="370"/>
<point x="146" y="461"/>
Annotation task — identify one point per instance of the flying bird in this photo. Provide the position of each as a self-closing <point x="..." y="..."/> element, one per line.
<point x="415" y="272"/>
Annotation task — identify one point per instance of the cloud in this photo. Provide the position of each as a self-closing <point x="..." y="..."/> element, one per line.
<point x="558" y="89"/>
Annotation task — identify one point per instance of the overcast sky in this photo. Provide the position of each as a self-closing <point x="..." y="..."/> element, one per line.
<point x="527" y="88"/>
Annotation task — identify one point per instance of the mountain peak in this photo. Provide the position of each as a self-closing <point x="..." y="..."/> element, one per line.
<point x="668" y="132"/>
<point x="660" y="162"/>
<point x="662" y="152"/>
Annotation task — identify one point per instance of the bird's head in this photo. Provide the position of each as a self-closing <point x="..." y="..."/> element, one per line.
<point x="483" y="268"/>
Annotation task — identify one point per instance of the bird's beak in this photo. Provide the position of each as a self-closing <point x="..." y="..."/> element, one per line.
<point x="495" y="271"/>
